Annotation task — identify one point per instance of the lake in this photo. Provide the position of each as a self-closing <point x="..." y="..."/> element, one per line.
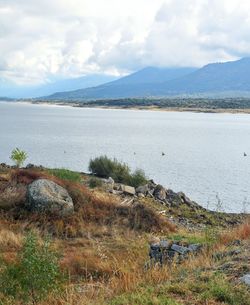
<point x="204" y="153"/>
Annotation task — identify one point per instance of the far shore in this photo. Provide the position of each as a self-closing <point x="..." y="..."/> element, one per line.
<point x="137" y="107"/>
<point x="148" y="108"/>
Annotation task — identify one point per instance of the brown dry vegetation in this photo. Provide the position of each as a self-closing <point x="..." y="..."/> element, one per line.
<point x="104" y="247"/>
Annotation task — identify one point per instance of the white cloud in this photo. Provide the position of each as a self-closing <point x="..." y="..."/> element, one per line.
<point x="42" y="39"/>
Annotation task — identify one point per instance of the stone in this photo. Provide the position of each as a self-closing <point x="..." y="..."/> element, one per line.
<point x="160" y="192"/>
<point x="140" y="195"/>
<point x="173" y="198"/>
<point x="128" y="190"/>
<point x="46" y="196"/>
<point x="143" y="189"/>
<point x="246" y="279"/>
<point x="164" y="244"/>
<point x="194" y="247"/>
<point x="179" y="249"/>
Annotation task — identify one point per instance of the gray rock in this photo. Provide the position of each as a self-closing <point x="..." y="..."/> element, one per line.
<point x="173" y="198"/>
<point x="46" y="196"/>
<point x="194" y="247"/>
<point x="129" y="190"/>
<point x="143" y="189"/>
<point x="246" y="279"/>
<point x="179" y="249"/>
<point x="160" y="192"/>
<point x="164" y="244"/>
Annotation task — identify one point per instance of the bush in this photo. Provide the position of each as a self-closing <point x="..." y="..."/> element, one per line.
<point x="138" y="178"/>
<point x="95" y="182"/>
<point x="65" y="174"/>
<point x="35" y="273"/>
<point x="120" y="172"/>
<point x="18" y="156"/>
<point x="105" y="168"/>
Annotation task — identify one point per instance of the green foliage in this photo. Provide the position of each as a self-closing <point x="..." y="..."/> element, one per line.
<point x="35" y="273"/>
<point x="65" y="174"/>
<point x="95" y="182"/>
<point x="145" y="296"/>
<point x="120" y="172"/>
<point x="138" y="178"/>
<point x="18" y="156"/>
<point x="211" y="236"/>
<point x="220" y="290"/>
<point x="105" y="167"/>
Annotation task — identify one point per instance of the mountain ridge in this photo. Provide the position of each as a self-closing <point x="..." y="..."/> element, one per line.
<point x="217" y="79"/>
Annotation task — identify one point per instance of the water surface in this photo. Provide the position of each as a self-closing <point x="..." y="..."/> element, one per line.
<point x="203" y="152"/>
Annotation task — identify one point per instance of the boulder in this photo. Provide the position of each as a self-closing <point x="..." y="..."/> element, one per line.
<point x="160" y="192"/>
<point x="173" y="198"/>
<point x="143" y="189"/>
<point x="46" y="196"/>
<point x="246" y="279"/>
<point x="128" y="190"/>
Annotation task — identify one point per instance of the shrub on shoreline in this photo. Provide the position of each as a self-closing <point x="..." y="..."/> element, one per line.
<point x="105" y="167"/>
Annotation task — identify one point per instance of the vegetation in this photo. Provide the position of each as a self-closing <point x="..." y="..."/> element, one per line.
<point x="65" y="174"/>
<point x="95" y="182"/>
<point x="18" y="156"/>
<point x="33" y="275"/>
<point x="120" y="172"/>
<point x="185" y="103"/>
<point x="103" y="248"/>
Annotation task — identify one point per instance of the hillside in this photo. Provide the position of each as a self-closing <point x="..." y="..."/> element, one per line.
<point x="140" y="83"/>
<point x="230" y="79"/>
<point x="104" y="246"/>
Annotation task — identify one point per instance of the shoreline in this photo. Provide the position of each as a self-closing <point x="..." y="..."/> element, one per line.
<point x="137" y="108"/>
<point x="145" y="108"/>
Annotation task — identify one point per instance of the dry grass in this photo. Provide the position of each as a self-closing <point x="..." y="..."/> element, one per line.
<point x="241" y="232"/>
<point x="104" y="246"/>
<point x="10" y="240"/>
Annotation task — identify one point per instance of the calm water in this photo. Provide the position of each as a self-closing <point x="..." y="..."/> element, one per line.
<point x="203" y="152"/>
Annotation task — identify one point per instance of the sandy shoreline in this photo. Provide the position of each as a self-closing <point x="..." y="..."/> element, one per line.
<point x="149" y="108"/>
<point x="142" y="108"/>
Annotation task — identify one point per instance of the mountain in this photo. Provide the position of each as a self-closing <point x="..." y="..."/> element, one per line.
<point x="17" y="91"/>
<point x="140" y="83"/>
<point x="216" y="80"/>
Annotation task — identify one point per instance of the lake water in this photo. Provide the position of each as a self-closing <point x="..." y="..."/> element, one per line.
<point x="203" y="152"/>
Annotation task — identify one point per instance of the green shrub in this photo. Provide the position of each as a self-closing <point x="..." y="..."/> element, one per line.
<point x="35" y="273"/>
<point x="138" y="178"/>
<point x="95" y="182"/>
<point x="120" y="172"/>
<point x="18" y="156"/>
<point x="105" y="168"/>
<point x="65" y="174"/>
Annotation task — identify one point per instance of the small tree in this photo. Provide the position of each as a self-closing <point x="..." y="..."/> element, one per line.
<point x="35" y="273"/>
<point x="18" y="156"/>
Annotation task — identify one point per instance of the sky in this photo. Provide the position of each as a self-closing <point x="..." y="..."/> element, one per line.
<point x="41" y="40"/>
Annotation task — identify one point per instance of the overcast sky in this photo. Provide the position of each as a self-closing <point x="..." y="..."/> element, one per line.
<point x="43" y="39"/>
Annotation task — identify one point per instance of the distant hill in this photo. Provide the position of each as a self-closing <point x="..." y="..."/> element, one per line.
<point x="14" y="91"/>
<point x="140" y="83"/>
<point x="213" y="80"/>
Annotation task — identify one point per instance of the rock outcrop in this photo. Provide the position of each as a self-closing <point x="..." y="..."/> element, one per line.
<point x="46" y="196"/>
<point x="165" y="196"/>
<point x="164" y="251"/>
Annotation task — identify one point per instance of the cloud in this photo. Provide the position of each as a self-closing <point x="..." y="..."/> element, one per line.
<point x="40" y="40"/>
